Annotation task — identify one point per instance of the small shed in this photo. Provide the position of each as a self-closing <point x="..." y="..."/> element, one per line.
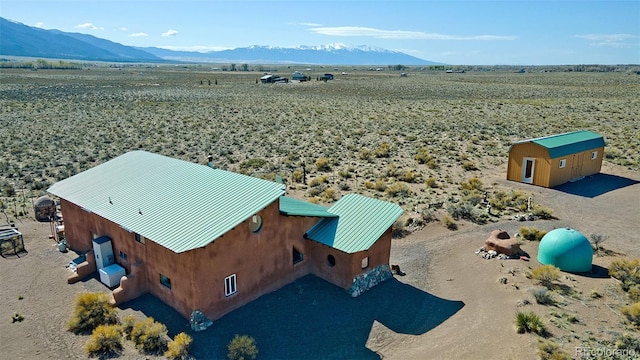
<point x="554" y="160"/>
<point x="566" y="249"/>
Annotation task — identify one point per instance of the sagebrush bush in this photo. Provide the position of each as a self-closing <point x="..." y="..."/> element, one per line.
<point x="431" y="182"/>
<point x="382" y="151"/>
<point x="92" y="309"/>
<point x="531" y="233"/>
<point x="543" y="296"/>
<point x="529" y="322"/>
<point x="545" y="275"/>
<point x="542" y="212"/>
<point x="323" y="164"/>
<point x="149" y="336"/>
<point x="409" y="176"/>
<point x="317" y="181"/>
<point x="472" y="184"/>
<point x="105" y="341"/>
<point x="178" y="348"/>
<point x="550" y="350"/>
<point x="127" y="325"/>
<point x="632" y="313"/>
<point x="398" y="189"/>
<point x="242" y="347"/>
<point x="627" y="271"/>
<point x="449" y="223"/>
<point x="297" y="176"/>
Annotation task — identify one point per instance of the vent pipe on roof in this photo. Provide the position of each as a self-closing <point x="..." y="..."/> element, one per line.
<point x="210" y="161"/>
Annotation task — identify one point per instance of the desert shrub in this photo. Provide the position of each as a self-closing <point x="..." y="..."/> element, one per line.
<point x="542" y="212"/>
<point x="149" y="336"/>
<point x="127" y="325"/>
<point x="627" y="271"/>
<point x="345" y="174"/>
<point x="449" y="223"/>
<point x="242" y="347"/>
<point x="178" y="348"/>
<point x="380" y="185"/>
<point x="545" y="275"/>
<point x="472" y="184"/>
<point x="531" y="233"/>
<point x="323" y="164"/>
<point x="382" y="151"/>
<point x="626" y="342"/>
<point x="297" y="176"/>
<point x="398" y="229"/>
<point x="398" y="189"/>
<point x="317" y="181"/>
<point x="529" y="322"/>
<point x="329" y="194"/>
<point x="469" y="165"/>
<point x="423" y="156"/>
<point x="92" y="309"/>
<point x="253" y="164"/>
<point x="634" y="293"/>
<point x="105" y="341"/>
<point x="543" y="296"/>
<point x="409" y="176"/>
<point x="632" y="313"/>
<point x="365" y="154"/>
<point x="431" y="182"/>
<point x="550" y="350"/>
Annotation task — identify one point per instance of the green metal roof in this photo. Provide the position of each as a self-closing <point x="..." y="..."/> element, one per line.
<point x="177" y="204"/>
<point x="569" y="143"/>
<point x="360" y="223"/>
<point x="295" y="207"/>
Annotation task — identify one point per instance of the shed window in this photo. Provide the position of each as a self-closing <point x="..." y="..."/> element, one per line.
<point x="331" y="260"/>
<point x="139" y="238"/>
<point x="563" y="163"/>
<point x="255" y="224"/>
<point x="164" y="280"/>
<point x="297" y="256"/>
<point x="365" y="262"/>
<point x="230" y="285"/>
<point x="594" y="155"/>
<point x="123" y="255"/>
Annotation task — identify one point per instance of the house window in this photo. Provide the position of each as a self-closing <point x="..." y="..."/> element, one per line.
<point x="230" y="285"/>
<point x="123" y="255"/>
<point x="331" y="260"/>
<point x="139" y="238"/>
<point x="165" y="281"/>
<point x="563" y="163"/>
<point x="365" y="262"/>
<point x="594" y="155"/>
<point x="255" y="223"/>
<point x="297" y="256"/>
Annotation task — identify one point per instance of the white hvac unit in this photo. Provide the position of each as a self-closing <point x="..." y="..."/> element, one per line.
<point x="111" y="275"/>
<point x="103" y="252"/>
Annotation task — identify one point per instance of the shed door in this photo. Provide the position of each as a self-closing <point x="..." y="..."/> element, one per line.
<point x="576" y="166"/>
<point x="527" y="170"/>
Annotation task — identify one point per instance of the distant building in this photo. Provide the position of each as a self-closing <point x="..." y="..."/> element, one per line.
<point x="201" y="238"/>
<point x="299" y="76"/>
<point x="554" y="160"/>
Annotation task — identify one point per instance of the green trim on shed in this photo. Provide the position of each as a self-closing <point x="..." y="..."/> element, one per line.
<point x="568" y="143"/>
<point x="360" y="223"/>
<point x="294" y="207"/>
<point x="177" y="204"/>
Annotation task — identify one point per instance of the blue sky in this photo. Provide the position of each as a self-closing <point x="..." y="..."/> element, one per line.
<point x="454" y="32"/>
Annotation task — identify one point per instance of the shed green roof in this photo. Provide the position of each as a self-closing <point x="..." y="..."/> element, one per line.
<point x="569" y="143"/>
<point x="177" y="204"/>
<point x="295" y="207"/>
<point x="360" y="223"/>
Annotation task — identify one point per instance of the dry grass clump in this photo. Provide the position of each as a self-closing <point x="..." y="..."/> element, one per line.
<point x="546" y="275"/>
<point x="632" y="313"/>
<point x="91" y="310"/>
<point x="529" y="322"/>
<point x="178" y="348"/>
<point x="627" y="271"/>
<point x="105" y="341"/>
<point x="531" y="233"/>
<point x="149" y="336"/>
<point x="242" y="347"/>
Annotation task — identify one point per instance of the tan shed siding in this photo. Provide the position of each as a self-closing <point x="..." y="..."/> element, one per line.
<point x="529" y="150"/>
<point x="560" y="175"/>
<point x="578" y="165"/>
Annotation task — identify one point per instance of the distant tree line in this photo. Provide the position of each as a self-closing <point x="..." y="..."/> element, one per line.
<point x="39" y="64"/>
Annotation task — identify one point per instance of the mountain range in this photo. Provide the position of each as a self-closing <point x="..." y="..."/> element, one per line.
<point x="17" y="39"/>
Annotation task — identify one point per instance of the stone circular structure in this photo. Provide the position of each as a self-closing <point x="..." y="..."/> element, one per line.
<point x="566" y="249"/>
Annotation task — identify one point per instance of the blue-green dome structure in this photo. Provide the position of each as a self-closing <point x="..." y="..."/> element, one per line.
<point x="566" y="249"/>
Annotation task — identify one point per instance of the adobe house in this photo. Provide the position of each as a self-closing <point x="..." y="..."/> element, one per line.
<point x="554" y="160"/>
<point x="201" y="238"/>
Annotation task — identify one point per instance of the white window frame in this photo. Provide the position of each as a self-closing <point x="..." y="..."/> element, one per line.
<point x="563" y="163"/>
<point x="230" y="285"/>
<point x="594" y="155"/>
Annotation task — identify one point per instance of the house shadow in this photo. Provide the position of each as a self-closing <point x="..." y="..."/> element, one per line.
<point x="597" y="272"/>
<point x="312" y="319"/>
<point x="596" y="185"/>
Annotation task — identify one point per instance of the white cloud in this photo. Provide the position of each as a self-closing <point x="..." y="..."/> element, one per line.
<point x="609" y="40"/>
<point x="170" y="32"/>
<point x="399" y="34"/>
<point x="88" y="26"/>
<point x="124" y="29"/>
<point x="139" y="34"/>
<point x="40" y="25"/>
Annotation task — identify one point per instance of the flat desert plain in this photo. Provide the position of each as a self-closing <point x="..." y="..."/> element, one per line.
<point x="366" y="133"/>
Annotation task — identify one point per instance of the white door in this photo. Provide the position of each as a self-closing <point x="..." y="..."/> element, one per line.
<point x="527" y="170"/>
